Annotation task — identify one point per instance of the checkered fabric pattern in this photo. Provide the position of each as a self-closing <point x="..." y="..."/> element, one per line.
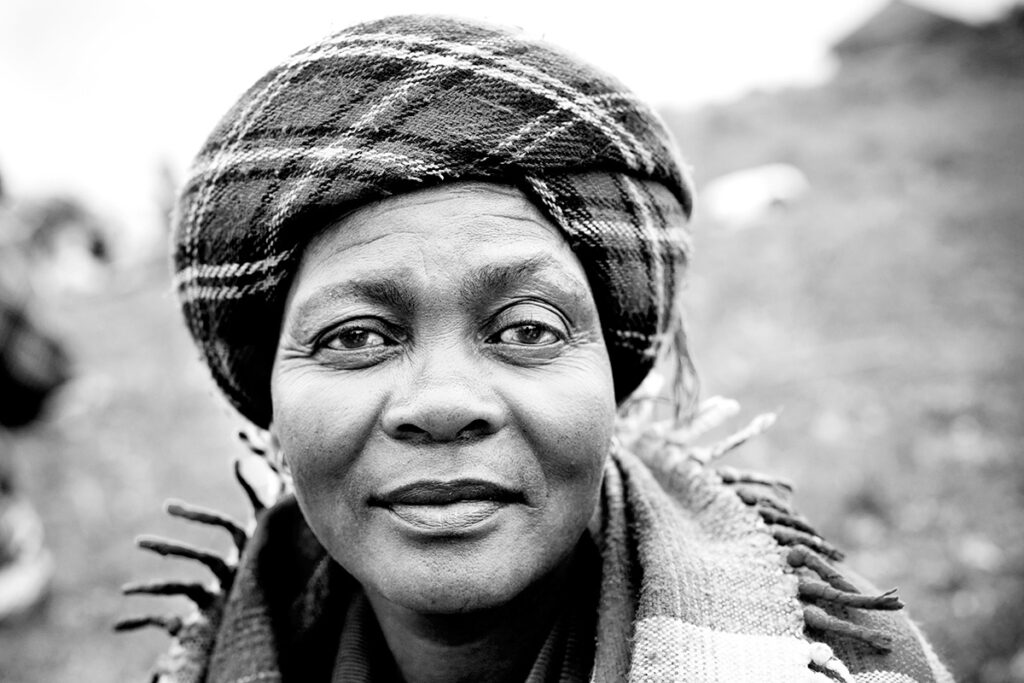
<point x="694" y="586"/>
<point x="408" y="102"/>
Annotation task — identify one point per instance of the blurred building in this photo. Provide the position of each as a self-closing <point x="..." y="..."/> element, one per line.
<point x="900" y="23"/>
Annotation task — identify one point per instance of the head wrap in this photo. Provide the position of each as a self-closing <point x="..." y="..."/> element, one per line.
<point x="408" y="102"/>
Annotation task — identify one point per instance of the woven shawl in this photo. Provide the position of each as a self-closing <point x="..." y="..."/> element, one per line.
<point x="400" y="104"/>
<point x="693" y="588"/>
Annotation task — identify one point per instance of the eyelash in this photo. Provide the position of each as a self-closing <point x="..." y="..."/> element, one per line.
<point x="507" y="319"/>
<point x="510" y="318"/>
<point x="559" y="335"/>
<point x="389" y="336"/>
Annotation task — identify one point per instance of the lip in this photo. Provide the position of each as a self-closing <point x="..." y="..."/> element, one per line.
<point x="437" y="492"/>
<point x="446" y="508"/>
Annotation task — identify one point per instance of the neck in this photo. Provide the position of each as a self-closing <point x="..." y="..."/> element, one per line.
<point x="497" y="645"/>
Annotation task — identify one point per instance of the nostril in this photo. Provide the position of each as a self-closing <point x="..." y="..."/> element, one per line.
<point x="439" y="433"/>
<point x="408" y="429"/>
<point x="441" y="413"/>
<point x="475" y="428"/>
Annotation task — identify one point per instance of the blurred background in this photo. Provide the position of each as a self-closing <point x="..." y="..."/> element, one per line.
<point x="859" y="268"/>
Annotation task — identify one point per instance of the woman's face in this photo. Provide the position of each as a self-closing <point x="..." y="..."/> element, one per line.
<point x="443" y="396"/>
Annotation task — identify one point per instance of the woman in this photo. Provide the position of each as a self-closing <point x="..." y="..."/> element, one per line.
<point x="434" y="259"/>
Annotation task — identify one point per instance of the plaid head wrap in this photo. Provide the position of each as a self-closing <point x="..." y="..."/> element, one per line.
<point x="405" y="103"/>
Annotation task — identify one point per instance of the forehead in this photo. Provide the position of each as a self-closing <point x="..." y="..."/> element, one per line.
<point x="444" y="229"/>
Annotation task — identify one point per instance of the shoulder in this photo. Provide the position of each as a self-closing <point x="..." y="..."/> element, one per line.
<point x="865" y="629"/>
<point x="897" y="650"/>
<point x="855" y="631"/>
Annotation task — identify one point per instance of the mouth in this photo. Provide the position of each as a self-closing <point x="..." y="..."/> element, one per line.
<point x="446" y="507"/>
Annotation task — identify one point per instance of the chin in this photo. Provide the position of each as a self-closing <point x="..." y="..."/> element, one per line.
<point x="451" y="598"/>
<point x="458" y="588"/>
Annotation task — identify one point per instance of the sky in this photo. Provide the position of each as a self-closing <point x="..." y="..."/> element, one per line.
<point x="97" y="94"/>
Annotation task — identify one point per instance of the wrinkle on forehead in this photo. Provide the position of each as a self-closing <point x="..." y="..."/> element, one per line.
<point x="480" y="239"/>
<point x="489" y="202"/>
<point x="397" y="291"/>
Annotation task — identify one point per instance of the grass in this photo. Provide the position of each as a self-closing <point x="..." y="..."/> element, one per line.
<point x="882" y="315"/>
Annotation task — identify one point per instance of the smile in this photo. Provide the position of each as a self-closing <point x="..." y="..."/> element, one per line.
<point x="445" y="508"/>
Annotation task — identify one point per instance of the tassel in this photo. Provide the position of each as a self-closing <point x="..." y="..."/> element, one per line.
<point x="731" y="475"/>
<point x="826" y="660"/>
<point x="818" y="619"/>
<point x="224" y="572"/>
<point x="802" y="556"/>
<point x="202" y="596"/>
<point x="757" y="425"/>
<point x="172" y="624"/>
<point x="250" y="492"/>
<point x="194" y="513"/>
<point x="194" y="633"/>
<point x="786" y="536"/>
<point x="710" y="414"/>
<point x="759" y="498"/>
<point x="250" y="443"/>
<point x="810" y="589"/>
<point x="776" y="517"/>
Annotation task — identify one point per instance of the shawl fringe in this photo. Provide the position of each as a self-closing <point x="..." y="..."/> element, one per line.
<point x="825" y="594"/>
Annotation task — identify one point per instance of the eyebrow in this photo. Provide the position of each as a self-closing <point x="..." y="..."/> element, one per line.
<point x="385" y="292"/>
<point x="504" y="277"/>
<point x="393" y="292"/>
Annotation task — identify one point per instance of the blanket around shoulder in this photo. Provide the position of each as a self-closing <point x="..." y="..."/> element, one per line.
<point x="705" y="576"/>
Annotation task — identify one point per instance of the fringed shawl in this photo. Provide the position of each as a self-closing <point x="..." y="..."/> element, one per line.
<point x="703" y="578"/>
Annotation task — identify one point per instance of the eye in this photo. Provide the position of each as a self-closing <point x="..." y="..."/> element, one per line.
<point x="529" y="325"/>
<point x="355" y="338"/>
<point x="528" y="334"/>
<point x="358" y="335"/>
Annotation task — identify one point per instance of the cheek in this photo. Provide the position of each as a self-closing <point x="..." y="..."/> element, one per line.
<point x="570" y="420"/>
<point x="320" y="433"/>
<point x="319" y="426"/>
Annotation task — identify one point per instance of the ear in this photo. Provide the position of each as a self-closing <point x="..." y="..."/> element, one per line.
<point x="275" y="454"/>
<point x="273" y="442"/>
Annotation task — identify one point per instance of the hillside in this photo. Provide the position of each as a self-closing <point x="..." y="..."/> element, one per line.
<point x="883" y="316"/>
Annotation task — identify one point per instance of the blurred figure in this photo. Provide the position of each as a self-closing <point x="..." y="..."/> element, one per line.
<point x="62" y="246"/>
<point x="32" y="366"/>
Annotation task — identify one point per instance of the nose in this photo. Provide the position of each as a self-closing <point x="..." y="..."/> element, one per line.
<point x="443" y="402"/>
